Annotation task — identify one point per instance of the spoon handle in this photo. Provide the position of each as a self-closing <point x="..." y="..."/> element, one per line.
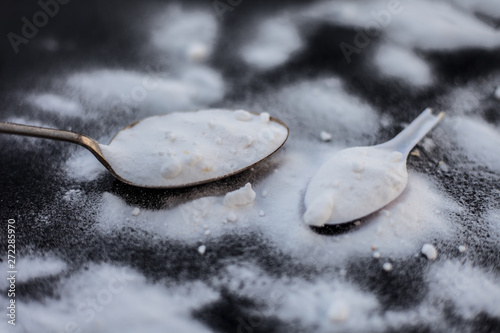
<point x="413" y="133"/>
<point x="55" y="134"/>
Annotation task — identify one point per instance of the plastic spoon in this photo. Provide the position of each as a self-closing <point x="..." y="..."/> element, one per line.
<point x="358" y="181"/>
<point x="106" y="154"/>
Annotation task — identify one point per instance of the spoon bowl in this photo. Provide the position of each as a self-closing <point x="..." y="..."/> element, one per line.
<point x="182" y="140"/>
<point x="355" y="182"/>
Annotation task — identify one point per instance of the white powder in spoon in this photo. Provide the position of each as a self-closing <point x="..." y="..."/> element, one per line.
<point x="192" y="147"/>
<point x="353" y="183"/>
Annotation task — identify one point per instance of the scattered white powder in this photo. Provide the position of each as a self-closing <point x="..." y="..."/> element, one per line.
<point x="462" y="248"/>
<point x="324" y="102"/>
<point x="443" y="166"/>
<point x="26" y="121"/>
<point x="82" y="165"/>
<point x="354" y="183"/>
<point x="147" y="93"/>
<point x="275" y="43"/>
<point x="33" y="267"/>
<point x="429" y="251"/>
<point x="241" y="197"/>
<point x="354" y="311"/>
<point x="202" y="249"/>
<point x="338" y="312"/>
<point x="182" y="148"/>
<point x="104" y="299"/>
<point x="387" y="266"/>
<point x="232" y="217"/>
<point x="204" y="84"/>
<point x="73" y="195"/>
<point x="136" y="211"/>
<point x="198" y="52"/>
<point x="493" y="219"/>
<point x="411" y="219"/>
<point x="465" y="99"/>
<point x="325" y="136"/>
<point x="56" y="104"/>
<point x="376" y="255"/>
<point x="414" y="23"/>
<point x="184" y="34"/>
<point x="320" y="304"/>
<point x="480" y="141"/>
<point x="485" y="7"/>
<point x="457" y="30"/>
<point x="402" y="63"/>
<point x="470" y="289"/>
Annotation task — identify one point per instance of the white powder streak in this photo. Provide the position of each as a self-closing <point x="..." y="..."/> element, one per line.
<point x="184" y="35"/>
<point x="399" y="62"/>
<point x="324" y="104"/>
<point x="148" y="93"/>
<point x="56" y="104"/>
<point x="33" y="267"/>
<point x="471" y="289"/>
<point x="425" y="24"/>
<point x="479" y="140"/>
<point x="275" y="43"/>
<point x="116" y="293"/>
<point x="398" y="231"/>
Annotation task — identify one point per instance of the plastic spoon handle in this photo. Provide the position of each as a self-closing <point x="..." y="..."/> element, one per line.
<point x="55" y="134"/>
<point x="413" y="133"/>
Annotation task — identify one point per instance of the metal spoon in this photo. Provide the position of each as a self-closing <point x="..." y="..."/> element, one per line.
<point x="358" y="181"/>
<point x="97" y="149"/>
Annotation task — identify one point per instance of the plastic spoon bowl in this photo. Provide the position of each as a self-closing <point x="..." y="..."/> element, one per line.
<point x="102" y="152"/>
<point x="358" y="181"/>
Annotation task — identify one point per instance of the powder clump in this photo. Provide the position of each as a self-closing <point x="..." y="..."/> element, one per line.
<point x="429" y="251"/>
<point x="241" y="197"/>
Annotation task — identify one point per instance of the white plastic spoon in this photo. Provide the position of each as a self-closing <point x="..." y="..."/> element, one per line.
<point x="358" y="181"/>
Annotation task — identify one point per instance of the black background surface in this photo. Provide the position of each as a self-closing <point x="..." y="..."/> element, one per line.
<point x="97" y="34"/>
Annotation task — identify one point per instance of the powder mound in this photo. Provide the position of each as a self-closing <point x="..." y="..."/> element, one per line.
<point x="241" y="197"/>
<point x="187" y="147"/>
<point x="342" y="189"/>
<point x="429" y="251"/>
<point x="274" y="44"/>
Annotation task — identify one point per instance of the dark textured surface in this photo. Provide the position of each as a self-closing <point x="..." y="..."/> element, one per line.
<point x="95" y="34"/>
